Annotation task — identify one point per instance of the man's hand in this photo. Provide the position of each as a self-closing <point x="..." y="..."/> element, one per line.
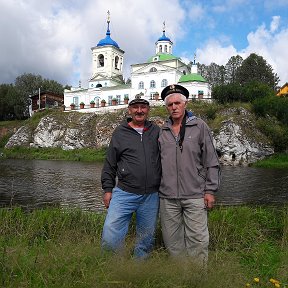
<point x="209" y="200"/>
<point x="106" y="199"/>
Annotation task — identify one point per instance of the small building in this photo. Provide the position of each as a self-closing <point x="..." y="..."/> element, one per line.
<point x="283" y="91"/>
<point x="47" y="100"/>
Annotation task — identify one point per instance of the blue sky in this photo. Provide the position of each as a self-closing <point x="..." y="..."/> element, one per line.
<point x="53" y="37"/>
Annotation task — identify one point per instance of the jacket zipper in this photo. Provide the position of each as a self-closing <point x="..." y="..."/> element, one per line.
<point x="177" y="145"/>
<point x="145" y="161"/>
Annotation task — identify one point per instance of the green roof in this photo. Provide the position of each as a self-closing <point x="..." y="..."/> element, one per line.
<point x="193" y="77"/>
<point x="162" y="57"/>
<point x="117" y="87"/>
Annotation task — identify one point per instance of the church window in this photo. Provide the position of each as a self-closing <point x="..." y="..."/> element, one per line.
<point x="153" y="69"/>
<point x="116" y="62"/>
<point x="164" y="83"/>
<point x="160" y="48"/>
<point x="184" y="72"/>
<point x="152" y="84"/>
<point x="141" y="85"/>
<point x="165" y="48"/>
<point x="101" y="60"/>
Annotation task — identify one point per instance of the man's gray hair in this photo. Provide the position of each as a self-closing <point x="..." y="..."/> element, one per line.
<point x="182" y="98"/>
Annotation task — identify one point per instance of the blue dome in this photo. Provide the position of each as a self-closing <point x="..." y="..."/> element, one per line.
<point x="164" y="38"/>
<point x="107" y="41"/>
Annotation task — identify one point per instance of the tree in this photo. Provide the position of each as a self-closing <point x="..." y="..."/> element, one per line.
<point x="255" y="68"/>
<point x="213" y="73"/>
<point x="231" y="68"/>
<point x="228" y="93"/>
<point x="29" y="84"/>
<point x="12" y="106"/>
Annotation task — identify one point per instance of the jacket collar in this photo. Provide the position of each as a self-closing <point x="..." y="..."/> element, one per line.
<point x="189" y="118"/>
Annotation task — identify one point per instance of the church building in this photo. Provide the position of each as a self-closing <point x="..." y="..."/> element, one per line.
<point x="107" y="86"/>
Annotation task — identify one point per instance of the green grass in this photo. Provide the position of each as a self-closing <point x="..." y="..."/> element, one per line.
<point x="85" y="154"/>
<point x="275" y="161"/>
<point x="61" y="248"/>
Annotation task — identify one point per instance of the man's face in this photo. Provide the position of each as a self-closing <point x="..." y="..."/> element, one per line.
<point x="176" y="106"/>
<point x="138" y="112"/>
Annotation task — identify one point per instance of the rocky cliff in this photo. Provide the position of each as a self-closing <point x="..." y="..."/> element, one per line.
<point x="237" y="140"/>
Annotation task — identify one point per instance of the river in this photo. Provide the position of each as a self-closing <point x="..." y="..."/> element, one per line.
<point x="41" y="183"/>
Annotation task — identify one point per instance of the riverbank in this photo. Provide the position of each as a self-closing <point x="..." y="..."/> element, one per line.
<point x="275" y="161"/>
<point x="61" y="248"/>
<point x="98" y="155"/>
<point x="85" y="154"/>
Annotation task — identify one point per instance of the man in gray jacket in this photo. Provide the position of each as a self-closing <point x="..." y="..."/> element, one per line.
<point x="190" y="177"/>
<point x="133" y="158"/>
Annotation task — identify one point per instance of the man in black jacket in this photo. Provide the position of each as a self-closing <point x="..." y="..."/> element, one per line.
<point x="133" y="158"/>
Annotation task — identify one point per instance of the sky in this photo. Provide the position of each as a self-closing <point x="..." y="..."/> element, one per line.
<point x="53" y="38"/>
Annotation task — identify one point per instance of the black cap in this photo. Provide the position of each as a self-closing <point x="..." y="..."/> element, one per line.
<point x="138" y="101"/>
<point x="175" y="88"/>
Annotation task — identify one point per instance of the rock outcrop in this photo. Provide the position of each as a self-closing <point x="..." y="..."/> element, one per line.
<point x="237" y="141"/>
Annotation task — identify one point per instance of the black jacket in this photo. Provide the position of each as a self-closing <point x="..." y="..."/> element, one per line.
<point x="134" y="159"/>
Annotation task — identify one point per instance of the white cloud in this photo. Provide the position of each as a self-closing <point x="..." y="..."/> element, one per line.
<point x="214" y="52"/>
<point x="53" y="38"/>
<point x="274" y="24"/>
<point x="270" y="45"/>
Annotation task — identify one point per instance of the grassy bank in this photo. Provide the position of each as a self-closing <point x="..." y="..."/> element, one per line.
<point x="61" y="248"/>
<point x="85" y="154"/>
<point x="98" y="155"/>
<point x="274" y="161"/>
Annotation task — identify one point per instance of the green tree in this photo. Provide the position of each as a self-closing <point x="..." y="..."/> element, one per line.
<point x="255" y="68"/>
<point x="228" y="93"/>
<point x="213" y="73"/>
<point x="52" y="86"/>
<point x="254" y="90"/>
<point x="29" y="84"/>
<point x="12" y="105"/>
<point x="231" y="68"/>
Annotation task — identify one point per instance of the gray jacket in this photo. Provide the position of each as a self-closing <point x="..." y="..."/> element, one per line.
<point x="194" y="171"/>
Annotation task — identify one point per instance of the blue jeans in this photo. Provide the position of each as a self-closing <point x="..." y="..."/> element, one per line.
<point x="122" y="206"/>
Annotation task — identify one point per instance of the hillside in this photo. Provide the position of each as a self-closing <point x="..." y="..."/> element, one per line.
<point x="237" y="139"/>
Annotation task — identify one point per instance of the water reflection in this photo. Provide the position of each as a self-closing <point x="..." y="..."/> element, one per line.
<point x="37" y="183"/>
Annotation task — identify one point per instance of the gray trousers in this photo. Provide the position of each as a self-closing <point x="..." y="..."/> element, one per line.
<point x="184" y="227"/>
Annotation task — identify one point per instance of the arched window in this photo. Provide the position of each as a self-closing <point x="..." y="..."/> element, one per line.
<point x="141" y="85"/>
<point x="101" y="60"/>
<point x="165" y="48"/>
<point x="160" y="48"/>
<point x="164" y="83"/>
<point x="152" y="84"/>
<point x="153" y="69"/>
<point x="184" y="72"/>
<point x="116" y="62"/>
